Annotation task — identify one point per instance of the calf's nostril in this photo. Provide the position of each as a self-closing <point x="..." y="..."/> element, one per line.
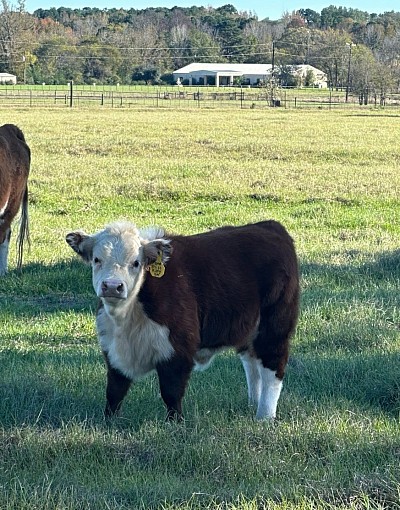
<point x="120" y="288"/>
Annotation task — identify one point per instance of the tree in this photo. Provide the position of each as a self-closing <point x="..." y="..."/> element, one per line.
<point x="15" y="29"/>
<point x="151" y="76"/>
<point x="312" y="18"/>
<point x="329" y="51"/>
<point x="57" y="61"/>
<point x="364" y="75"/>
<point x="293" y="47"/>
<point x="100" y="62"/>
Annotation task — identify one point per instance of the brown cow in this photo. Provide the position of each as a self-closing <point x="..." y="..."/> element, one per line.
<point x="170" y="302"/>
<point x="15" y="159"/>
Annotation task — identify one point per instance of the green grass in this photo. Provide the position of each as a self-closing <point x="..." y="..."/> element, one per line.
<point x="332" y="178"/>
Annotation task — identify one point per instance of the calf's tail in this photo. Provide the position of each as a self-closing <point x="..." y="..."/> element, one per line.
<point x="23" y="234"/>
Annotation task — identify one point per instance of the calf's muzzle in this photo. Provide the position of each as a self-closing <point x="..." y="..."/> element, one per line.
<point x="114" y="288"/>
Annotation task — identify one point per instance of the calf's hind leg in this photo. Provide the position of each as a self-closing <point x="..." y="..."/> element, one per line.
<point x="4" y="246"/>
<point x="250" y="365"/>
<point x="271" y="346"/>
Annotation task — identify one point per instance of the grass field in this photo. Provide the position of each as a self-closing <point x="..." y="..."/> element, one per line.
<point x="333" y="179"/>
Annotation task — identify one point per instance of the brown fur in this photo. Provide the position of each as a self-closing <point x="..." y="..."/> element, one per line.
<point x="231" y="287"/>
<point x="15" y="160"/>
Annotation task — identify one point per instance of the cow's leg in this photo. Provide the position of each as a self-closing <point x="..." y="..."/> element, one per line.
<point x="173" y="376"/>
<point x="271" y="386"/>
<point x="277" y="322"/>
<point x="250" y="365"/>
<point x="117" y="388"/>
<point x="4" y="246"/>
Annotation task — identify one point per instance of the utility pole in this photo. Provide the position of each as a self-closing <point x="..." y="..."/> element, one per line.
<point x="273" y="59"/>
<point x="272" y="80"/>
<point x="24" y="61"/>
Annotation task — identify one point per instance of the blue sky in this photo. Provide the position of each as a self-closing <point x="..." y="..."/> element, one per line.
<point x="263" y="8"/>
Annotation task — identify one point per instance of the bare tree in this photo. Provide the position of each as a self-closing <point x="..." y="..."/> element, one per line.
<point x="16" y="27"/>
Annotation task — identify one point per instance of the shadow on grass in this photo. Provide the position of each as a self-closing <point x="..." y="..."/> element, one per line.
<point x="40" y="288"/>
<point x="67" y="381"/>
<point x="350" y="351"/>
<point x="49" y="390"/>
<point x="385" y="266"/>
<point x="358" y="383"/>
<point x="367" y="114"/>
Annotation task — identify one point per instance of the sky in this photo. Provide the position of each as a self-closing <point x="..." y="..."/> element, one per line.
<point x="272" y="9"/>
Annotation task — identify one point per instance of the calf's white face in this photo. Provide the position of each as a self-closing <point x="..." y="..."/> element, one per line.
<point x="117" y="264"/>
<point x="119" y="256"/>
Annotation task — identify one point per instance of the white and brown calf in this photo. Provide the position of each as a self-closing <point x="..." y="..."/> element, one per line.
<point x="169" y="303"/>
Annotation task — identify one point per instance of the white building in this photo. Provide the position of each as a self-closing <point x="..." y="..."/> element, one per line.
<point x="320" y="78"/>
<point x="250" y="74"/>
<point x="7" y="78"/>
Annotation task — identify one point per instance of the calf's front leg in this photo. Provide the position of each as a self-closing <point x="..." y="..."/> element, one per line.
<point x="117" y="388"/>
<point x="173" y="376"/>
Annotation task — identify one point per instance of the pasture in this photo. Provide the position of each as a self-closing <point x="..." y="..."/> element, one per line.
<point x="333" y="179"/>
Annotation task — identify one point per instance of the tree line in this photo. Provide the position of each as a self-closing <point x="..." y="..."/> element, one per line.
<point x="357" y="50"/>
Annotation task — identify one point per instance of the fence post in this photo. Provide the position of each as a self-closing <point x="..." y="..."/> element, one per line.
<point x="70" y="93"/>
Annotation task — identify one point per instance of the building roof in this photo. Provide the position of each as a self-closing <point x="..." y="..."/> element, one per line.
<point x="259" y="69"/>
<point x="7" y="74"/>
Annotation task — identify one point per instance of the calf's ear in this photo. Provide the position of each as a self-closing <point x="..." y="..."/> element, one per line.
<point x="153" y="249"/>
<point x="81" y="243"/>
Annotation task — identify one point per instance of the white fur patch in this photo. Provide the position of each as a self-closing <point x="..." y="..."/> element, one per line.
<point x="271" y="388"/>
<point x="4" y="256"/>
<point x="3" y="209"/>
<point x="204" y="357"/>
<point x="151" y="233"/>
<point x="134" y="343"/>
<point x="264" y="388"/>
<point x="250" y="365"/>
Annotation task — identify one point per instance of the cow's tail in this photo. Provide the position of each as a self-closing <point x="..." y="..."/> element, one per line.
<point x="23" y="234"/>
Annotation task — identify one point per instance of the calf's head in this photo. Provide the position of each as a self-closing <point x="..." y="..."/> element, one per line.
<point x="119" y="255"/>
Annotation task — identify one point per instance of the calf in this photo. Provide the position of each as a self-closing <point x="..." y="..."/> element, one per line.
<point x="170" y="302"/>
<point x="15" y="159"/>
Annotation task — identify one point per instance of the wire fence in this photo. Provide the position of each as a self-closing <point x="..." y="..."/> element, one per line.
<point x="74" y="97"/>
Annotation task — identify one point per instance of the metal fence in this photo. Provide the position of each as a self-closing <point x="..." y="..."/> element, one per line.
<point x="70" y="97"/>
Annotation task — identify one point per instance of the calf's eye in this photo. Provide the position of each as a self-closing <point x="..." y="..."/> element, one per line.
<point x="97" y="260"/>
<point x="135" y="264"/>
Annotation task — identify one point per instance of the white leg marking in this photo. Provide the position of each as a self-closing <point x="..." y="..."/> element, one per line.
<point x="250" y="366"/>
<point x="3" y="209"/>
<point x="271" y="388"/>
<point x="4" y="256"/>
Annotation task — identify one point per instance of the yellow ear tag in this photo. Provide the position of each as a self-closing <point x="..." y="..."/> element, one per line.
<point x="157" y="268"/>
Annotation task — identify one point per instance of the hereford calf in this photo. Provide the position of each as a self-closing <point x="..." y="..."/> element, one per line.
<point x="170" y="302"/>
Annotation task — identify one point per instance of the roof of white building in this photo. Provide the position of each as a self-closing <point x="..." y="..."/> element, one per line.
<point x="259" y="69"/>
